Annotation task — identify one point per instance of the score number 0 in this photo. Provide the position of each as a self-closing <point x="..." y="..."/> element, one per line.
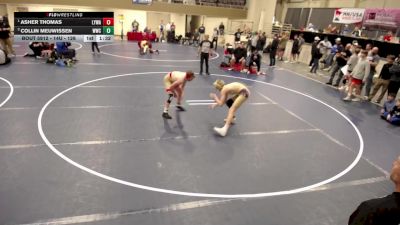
<point x="108" y="25"/>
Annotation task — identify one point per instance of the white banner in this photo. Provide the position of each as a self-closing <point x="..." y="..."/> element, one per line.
<point x="348" y="15"/>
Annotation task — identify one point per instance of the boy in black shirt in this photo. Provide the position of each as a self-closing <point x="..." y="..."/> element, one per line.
<point x="237" y="35"/>
<point x="272" y="50"/>
<point x="341" y="61"/>
<point x="239" y="55"/>
<point x="383" y="80"/>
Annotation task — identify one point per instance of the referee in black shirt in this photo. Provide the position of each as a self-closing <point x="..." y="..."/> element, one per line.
<point x="204" y="52"/>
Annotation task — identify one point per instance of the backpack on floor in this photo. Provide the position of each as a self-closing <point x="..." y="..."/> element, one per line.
<point x="4" y="58"/>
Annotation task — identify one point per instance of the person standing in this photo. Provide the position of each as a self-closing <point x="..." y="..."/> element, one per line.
<point x="202" y="31"/>
<point x="373" y="59"/>
<point x="5" y="40"/>
<point x="262" y="40"/>
<point x="394" y="84"/>
<point x="358" y="77"/>
<point x="301" y="42"/>
<point x="341" y="61"/>
<point x="161" y="27"/>
<point x="233" y="95"/>
<point x="253" y="41"/>
<point x="316" y="55"/>
<point x="135" y="26"/>
<point x="295" y="49"/>
<point x="204" y="52"/>
<point x="168" y="29"/>
<point x="215" y="38"/>
<point x="273" y="49"/>
<point x="383" y="80"/>
<point x="95" y="45"/>
<point x="282" y="45"/>
<point x="221" y="29"/>
<point x="325" y="49"/>
<point x="237" y="35"/>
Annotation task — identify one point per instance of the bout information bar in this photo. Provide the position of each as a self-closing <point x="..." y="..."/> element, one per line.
<point x="64" y="26"/>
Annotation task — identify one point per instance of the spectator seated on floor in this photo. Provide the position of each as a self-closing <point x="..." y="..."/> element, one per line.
<point x="228" y="52"/>
<point x="187" y="40"/>
<point x="4" y="59"/>
<point x="40" y="50"/>
<point x="238" y="58"/>
<point x="252" y="64"/>
<point x="381" y="211"/>
<point x="63" y="51"/>
<point x="388" y="105"/>
<point x="393" y="116"/>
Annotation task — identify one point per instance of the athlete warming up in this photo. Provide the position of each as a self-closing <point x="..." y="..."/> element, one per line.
<point x="234" y="95"/>
<point x="174" y="83"/>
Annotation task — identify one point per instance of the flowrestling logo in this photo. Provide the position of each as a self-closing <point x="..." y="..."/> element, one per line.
<point x="348" y="15"/>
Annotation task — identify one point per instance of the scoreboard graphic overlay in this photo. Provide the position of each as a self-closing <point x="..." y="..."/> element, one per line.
<point x="64" y="26"/>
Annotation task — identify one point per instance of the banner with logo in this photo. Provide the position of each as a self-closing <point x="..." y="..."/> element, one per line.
<point x="348" y="15"/>
<point x="389" y="18"/>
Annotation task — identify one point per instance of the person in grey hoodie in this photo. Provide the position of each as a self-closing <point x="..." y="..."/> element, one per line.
<point x="352" y="62"/>
<point x="358" y="77"/>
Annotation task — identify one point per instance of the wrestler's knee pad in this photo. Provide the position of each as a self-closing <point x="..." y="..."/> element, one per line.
<point x="170" y="96"/>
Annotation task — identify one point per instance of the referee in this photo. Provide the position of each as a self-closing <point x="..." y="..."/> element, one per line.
<point x="204" y="52"/>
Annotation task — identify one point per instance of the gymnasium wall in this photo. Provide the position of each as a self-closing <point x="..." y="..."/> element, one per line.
<point x="3" y="9"/>
<point x="180" y="23"/>
<point x="156" y="6"/>
<point x="211" y="22"/>
<point x="154" y="20"/>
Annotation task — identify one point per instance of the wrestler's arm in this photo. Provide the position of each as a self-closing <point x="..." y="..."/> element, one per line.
<point x="219" y="101"/>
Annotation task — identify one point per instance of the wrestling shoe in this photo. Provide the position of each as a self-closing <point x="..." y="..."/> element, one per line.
<point x="221" y="131"/>
<point x="180" y="108"/>
<point x="165" y="115"/>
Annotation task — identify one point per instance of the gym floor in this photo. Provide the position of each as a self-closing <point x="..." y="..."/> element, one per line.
<point x="87" y="145"/>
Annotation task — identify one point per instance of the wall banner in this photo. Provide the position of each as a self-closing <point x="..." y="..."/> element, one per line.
<point x="348" y="15"/>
